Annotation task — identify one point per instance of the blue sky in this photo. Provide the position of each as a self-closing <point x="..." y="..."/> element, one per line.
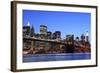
<point x="67" y="22"/>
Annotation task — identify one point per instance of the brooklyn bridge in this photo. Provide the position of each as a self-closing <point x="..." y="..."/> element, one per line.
<point x="64" y="46"/>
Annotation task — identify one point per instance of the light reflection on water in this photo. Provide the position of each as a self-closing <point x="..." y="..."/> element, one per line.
<point x="56" y="57"/>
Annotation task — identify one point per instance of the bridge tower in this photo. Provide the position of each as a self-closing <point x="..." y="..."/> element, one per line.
<point x="70" y="44"/>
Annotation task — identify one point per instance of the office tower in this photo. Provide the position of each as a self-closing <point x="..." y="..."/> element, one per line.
<point x="32" y="32"/>
<point x="43" y="31"/>
<point x="49" y="35"/>
<point x="57" y="35"/>
<point x="26" y="30"/>
<point x="53" y="36"/>
<point x="82" y="37"/>
<point x="69" y="39"/>
<point x="43" y="35"/>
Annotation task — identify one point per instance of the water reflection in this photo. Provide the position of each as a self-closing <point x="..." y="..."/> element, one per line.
<point x="56" y="57"/>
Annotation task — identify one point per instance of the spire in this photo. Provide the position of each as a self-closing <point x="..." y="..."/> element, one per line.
<point x="28" y="24"/>
<point x="87" y="34"/>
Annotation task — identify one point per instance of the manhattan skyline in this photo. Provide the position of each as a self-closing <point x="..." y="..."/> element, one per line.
<point x="67" y="22"/>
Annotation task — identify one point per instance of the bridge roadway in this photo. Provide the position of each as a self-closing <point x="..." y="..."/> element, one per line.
<point x="44" y="40"/>
<point x="52" y="41"/>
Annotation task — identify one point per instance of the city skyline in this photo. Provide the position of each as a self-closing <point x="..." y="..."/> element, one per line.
<point x="66" y="22"/>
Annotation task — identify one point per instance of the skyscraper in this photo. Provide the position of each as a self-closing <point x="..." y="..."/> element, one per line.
<point x="69" y="39"/>
<point x="82" y="37"/>
<point x="43" y="31"/>
<point x="26" y="30"/>
<point x="49" y="35"/>
<point x="57" y="35"/>
<point x="43" y="35"/>
<point x="32" y="32"/>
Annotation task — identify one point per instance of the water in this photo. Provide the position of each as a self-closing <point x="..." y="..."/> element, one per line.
<point x="56" y="57"/>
